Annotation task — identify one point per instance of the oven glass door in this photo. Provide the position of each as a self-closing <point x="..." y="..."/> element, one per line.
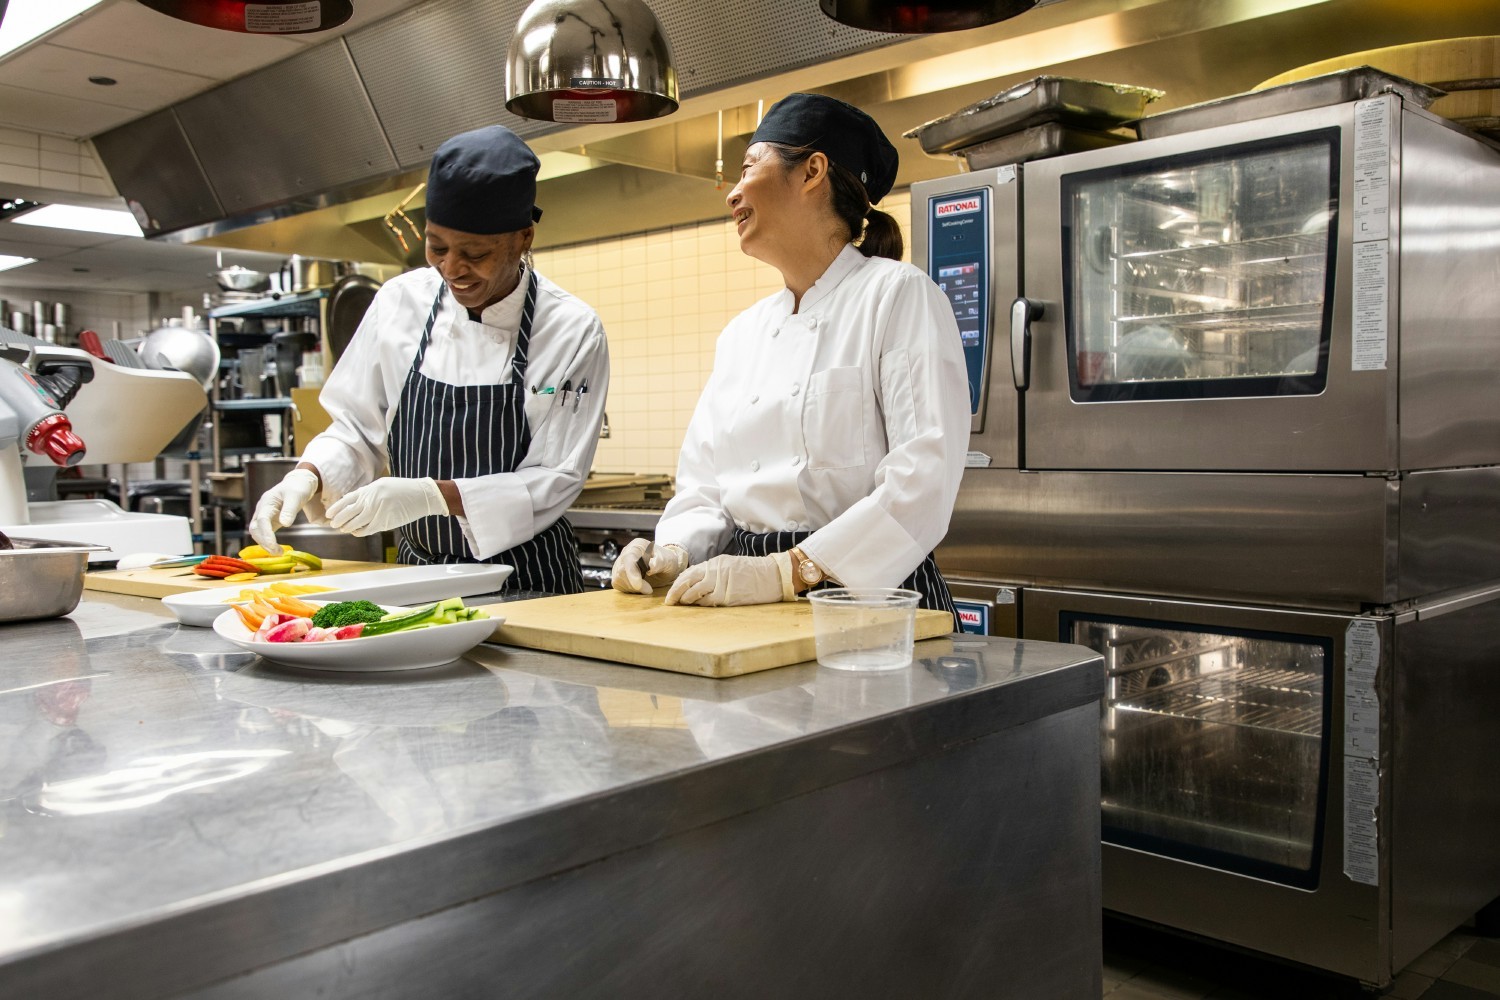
<point x="1214" y="743"/>
<point x="1206" y="275"/>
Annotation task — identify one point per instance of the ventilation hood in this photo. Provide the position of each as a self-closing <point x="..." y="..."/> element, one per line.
<point x="309" y="155"/>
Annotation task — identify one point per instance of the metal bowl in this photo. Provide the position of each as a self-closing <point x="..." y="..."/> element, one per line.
<point x="41" y="578"/>
<point x="242" y="279"/>
<point x="177" y="348"/>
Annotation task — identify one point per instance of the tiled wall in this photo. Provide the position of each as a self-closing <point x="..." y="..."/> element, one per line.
<point x="51" y="162"/>
<point x="664" y="295"/>
<point x="88" y="310"/>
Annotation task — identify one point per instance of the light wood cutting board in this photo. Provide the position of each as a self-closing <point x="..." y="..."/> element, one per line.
<point x="161" y="583"/>
<point x="642" y="631"/>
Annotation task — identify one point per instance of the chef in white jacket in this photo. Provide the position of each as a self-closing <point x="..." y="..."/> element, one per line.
<point x="829" y="441"/>
<point x="479" y="383"/>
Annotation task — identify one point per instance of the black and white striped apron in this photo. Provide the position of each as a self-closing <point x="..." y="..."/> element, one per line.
<point x="462" y="431"/>
<point x="926" y="580"/>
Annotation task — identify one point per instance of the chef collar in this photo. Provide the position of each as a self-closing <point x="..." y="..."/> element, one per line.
<point x="841" y="132"/>
<point x="842" y="266"/>
<point x="483" y="182"/>
<point x="500" y="319"/>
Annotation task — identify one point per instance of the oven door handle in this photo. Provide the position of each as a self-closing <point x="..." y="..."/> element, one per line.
<point x="1023" y="312"/>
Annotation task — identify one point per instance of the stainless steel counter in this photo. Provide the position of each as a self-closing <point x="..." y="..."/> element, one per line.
<point x="180" y="818"/>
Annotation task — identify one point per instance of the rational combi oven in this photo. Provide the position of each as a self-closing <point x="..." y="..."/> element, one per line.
<point x="1311" y="785"/>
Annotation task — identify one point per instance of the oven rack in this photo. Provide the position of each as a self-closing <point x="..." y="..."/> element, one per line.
<point x="1268" y="698"/>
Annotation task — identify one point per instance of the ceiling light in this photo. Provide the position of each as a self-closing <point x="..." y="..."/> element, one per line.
<point x="115" y="222"/>
<point x="27" y="19"/>
<point x="589" y="61"/>
<point x="258" y="17"/>
<point x="7" y="261"/>
<point x="911" y="17"/>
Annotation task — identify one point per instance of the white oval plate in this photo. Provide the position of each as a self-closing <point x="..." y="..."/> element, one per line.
<point x="423" y="647"/>
<point x="397" y="585"/>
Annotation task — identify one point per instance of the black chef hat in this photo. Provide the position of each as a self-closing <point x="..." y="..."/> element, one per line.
<point x="841" y="132"/>
<point x="483" y="182"/>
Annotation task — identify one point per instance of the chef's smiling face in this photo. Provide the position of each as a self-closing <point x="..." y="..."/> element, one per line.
<point x="479" y="270"/>
<point x="763" y="204"/>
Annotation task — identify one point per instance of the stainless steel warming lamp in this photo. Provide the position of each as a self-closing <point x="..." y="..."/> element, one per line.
<point x="261" y="17"/>
<point x="923" y="16"/>
<point x="588" y="62"/>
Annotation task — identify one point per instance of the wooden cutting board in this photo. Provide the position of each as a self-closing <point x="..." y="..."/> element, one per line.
<point x="642" y="631"/>
<point x="161" y="583"/>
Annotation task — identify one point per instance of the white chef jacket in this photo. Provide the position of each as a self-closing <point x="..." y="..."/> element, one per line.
<point x="849" y="419"/>
<point x="567" y="345"/>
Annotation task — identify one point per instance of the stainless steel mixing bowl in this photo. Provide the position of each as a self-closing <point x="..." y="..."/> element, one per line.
<point x="178" y="348"/>
<point x="41" y="578"/>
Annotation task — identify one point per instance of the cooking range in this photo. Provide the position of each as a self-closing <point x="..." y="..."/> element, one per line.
<point x="612" y="510"/>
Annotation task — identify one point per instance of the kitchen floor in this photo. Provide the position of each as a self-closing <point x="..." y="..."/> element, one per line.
<point x="1145" y="964"/>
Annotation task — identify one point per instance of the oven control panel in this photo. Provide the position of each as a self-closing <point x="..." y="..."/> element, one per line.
<point x="958" y="260"/>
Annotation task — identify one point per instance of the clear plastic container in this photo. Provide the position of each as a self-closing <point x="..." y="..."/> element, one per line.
<point x="867" y="628"/>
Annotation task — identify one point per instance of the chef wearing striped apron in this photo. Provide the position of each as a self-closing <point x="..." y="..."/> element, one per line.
<point x="476" y="381"/>
<point x="829" y="441"/>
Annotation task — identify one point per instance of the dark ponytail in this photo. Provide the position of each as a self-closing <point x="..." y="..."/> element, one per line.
<point x="873" y="232"/>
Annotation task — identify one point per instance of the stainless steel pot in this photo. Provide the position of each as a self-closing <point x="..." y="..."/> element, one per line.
<point x="303" y="274"/>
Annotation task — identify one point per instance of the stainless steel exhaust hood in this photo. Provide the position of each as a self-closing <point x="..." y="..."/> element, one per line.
<point x="360" y="114"/>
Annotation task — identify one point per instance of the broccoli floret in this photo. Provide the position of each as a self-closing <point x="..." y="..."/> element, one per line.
<point x="347" y="613"/>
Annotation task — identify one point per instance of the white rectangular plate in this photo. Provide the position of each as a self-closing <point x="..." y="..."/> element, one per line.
<point x="401" y="585"/>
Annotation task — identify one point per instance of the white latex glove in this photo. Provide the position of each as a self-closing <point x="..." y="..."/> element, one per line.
<point x="661" y="564"/>
<point x="278" y="507"/>
<point x="386" y="504"/>
<point x="732" y="580"/>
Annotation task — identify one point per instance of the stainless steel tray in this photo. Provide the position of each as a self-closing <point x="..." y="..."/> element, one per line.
<point x="1346" y="85"/>
<point x="1083" y="103"/>
<point x="1037" y="143"/>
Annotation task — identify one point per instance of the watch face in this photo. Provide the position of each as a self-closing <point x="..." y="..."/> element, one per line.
<point x="810" y="572"/>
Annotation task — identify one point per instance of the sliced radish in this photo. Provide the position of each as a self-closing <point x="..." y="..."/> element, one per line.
<point x="290" y="631"/>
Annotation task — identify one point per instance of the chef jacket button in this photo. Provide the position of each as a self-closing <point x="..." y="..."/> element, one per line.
<point x="796" y="459"/>
<point x="775" y="331"/>
<point x="791" y="526"/>
<point x="754" y="466"/>
<point x="754" y="399"/>
<point x="796" y="388"/>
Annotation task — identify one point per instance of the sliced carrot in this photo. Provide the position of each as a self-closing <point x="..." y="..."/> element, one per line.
<point x="261" y="608"/>
<point x="250" y="618"/>
<point x="292" y="606"/>
<point x="241" y="577"/>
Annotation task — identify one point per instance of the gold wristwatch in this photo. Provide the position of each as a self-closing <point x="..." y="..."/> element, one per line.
<point x="807" y="573"/>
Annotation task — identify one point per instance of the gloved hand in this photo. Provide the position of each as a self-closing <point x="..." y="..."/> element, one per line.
<point x="278" y="507"/>
<point x="732" y="580"/>
<point x="385" y="504"/>
<point x="663" y="564"/>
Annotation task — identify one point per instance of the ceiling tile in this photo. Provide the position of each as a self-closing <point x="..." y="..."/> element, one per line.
<point x="54" y="114"/>
<point x="137" y="33"/>
<point x="53" y="69"/>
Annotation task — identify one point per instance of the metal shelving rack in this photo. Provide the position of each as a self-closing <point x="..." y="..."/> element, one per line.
<point x="313" y="304"/>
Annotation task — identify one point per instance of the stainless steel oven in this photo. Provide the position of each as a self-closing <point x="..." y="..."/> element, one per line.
<point x="1309" y="292"/>
<point x="1233" y="426"/>
<point x="1314" y="786"/>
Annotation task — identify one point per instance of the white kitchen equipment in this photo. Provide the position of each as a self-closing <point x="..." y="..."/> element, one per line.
<point x="119" y="415"/>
